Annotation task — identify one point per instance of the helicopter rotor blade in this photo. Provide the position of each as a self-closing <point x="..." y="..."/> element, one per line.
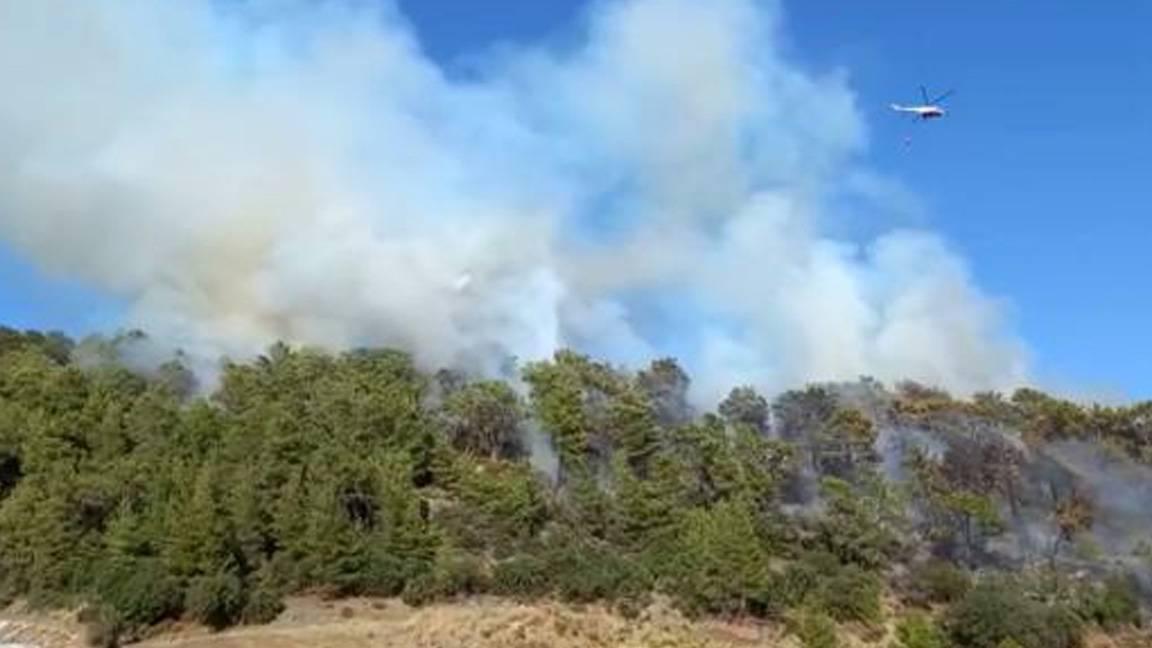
<point x="924" y="94"/>
<point x="943" y="97"/>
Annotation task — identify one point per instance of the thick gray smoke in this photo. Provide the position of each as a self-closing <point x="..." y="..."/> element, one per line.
<point x="1121" y="489"/>
<point x="243" y="172"/>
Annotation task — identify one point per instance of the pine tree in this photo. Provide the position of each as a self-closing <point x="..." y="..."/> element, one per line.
<point x="201" y="536"/>
<point x="558" y="401"/>
<point x="634" y="428"/>
<point x="721" y="566"/>
<point x="483" y="418"/>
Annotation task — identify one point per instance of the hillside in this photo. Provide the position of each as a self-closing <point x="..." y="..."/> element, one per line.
<point x="130" y="491"/>
<point x="476" y="623"/>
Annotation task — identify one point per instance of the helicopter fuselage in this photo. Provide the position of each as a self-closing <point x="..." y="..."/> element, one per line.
<point x="924" y="112"/>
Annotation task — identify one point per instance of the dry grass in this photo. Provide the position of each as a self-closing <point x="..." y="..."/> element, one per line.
<point x="20" y="626"/>
<point x="476" y="624"/>
<point x="1129" y="639"/>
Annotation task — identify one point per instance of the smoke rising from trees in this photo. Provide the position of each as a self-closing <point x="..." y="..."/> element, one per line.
<point x="356" y="474"/>
<point x="246" y="172"/>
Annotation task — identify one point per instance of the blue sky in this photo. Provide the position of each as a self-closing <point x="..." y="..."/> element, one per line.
<point x="1040" y="176"/>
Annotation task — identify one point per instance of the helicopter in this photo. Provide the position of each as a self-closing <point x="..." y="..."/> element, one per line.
<point x="930" y="109"/>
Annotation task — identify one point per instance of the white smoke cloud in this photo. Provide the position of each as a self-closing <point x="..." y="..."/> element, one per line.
<point x="301" y="171"/>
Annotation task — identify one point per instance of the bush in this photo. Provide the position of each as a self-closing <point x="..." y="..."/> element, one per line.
<point x="852" y="594"/>
<point x="384" y="575"/>
<point x="521" y="577"/>
<point x="138" y="592"/>
<point x="264" y="604"/>
<point x="420" y="591"/>
<point x="460" y="573"/>
<point x="918" y="631"/>
<point x="996" y="611"/>
<point x="820" y="582"/>
<point x="801" y="580"/>
<point x="1063" y="628"/>
<point x="454" y="573"/>
<point x="816" y="630"/>
<point x="1112" y="605"/>
<point x="217" y="600"/>
<point x="939" y="581"/>
<point x="583" y="573"/>
<point x="587" y="582"/>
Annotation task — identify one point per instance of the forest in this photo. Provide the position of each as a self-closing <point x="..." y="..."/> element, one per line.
<point x="134" y="492"/>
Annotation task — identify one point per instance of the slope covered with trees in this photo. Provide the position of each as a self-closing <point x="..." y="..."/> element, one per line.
<point x="999" y="520"/>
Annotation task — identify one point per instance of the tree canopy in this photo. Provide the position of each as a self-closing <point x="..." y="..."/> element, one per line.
<point x="139" y="494"/>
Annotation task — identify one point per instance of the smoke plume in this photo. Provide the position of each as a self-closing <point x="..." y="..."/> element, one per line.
<point x="1121" y="489"/>
<point x="247" y="171"/>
